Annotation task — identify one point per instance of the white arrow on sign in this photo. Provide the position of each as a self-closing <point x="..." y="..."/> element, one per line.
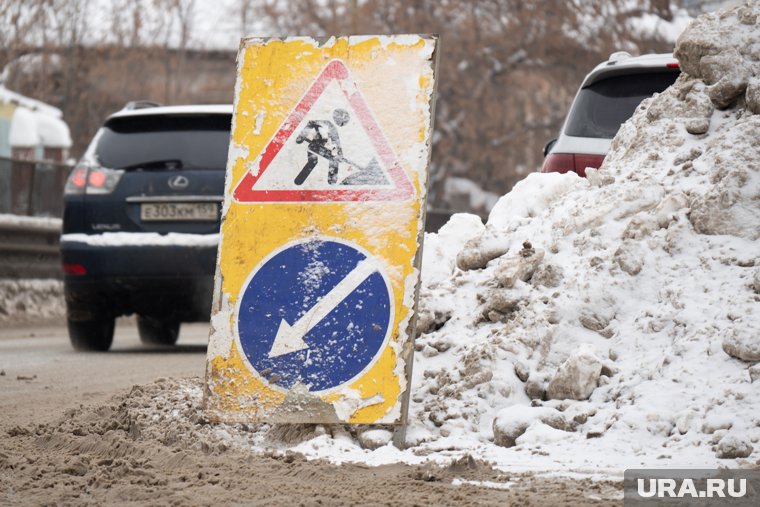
<point x="290" y="338"/>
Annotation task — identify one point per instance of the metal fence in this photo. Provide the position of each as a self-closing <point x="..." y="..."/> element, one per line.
<point x="33" y="188"/>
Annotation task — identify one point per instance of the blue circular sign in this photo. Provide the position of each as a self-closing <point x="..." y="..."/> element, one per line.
<point x="316" y="313"/>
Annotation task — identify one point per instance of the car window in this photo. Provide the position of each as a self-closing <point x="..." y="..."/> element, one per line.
<point x="156" y="142"/>
<point x="600" y="108"/>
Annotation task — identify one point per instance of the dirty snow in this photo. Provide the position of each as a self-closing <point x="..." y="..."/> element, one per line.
<point x="646" y="287"/>
<point x="31" y="300"/>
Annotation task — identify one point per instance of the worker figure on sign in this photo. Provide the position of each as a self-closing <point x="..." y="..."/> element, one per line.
<point x="323" y="141"/>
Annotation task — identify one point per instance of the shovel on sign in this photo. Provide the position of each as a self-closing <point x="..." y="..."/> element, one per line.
<point x="370" y="175"/>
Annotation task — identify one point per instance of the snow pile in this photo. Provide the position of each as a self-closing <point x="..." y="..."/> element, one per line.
<point x="31" y="300"/>
<point x="607" y="322"/>
<point x="626" y="303"/>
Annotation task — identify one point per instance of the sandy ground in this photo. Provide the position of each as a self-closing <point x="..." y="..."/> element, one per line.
<point x="74" y="431"/>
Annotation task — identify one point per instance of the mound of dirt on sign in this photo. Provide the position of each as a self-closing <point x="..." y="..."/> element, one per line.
<point x="31" y="301"/>
<point x="614" y="320"/>
<point x="150" y="446"/>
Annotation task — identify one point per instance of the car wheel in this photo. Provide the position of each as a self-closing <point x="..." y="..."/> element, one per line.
<point x="157" y="332"/>
<point x="91" y="335"/>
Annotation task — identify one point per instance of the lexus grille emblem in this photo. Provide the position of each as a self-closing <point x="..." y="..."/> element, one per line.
<point x="178" y="182"/>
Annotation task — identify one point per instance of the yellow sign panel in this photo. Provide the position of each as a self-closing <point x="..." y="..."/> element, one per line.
<point x="318" y="263"/>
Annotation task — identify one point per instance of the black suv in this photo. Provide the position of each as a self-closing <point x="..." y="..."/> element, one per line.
<point x="141" y="222"/>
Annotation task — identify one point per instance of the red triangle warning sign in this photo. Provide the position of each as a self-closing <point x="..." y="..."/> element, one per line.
<point x="329" y="149"/>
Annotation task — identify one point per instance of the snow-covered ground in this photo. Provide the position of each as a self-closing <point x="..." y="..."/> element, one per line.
<point x="604" y="323"/>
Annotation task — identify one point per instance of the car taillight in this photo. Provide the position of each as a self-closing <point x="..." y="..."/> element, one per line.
<point x="74" y="269"/>
<point x="92" y="180"/>
<point x="77" y="181"/>
<point x="558" y="163"/>
<point x="576" y="162"/>
<point x="102" y="181"/>
<point x="96" y="179"/>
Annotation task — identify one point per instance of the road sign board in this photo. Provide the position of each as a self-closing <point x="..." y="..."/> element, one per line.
<point x="320" y="246"/>
<point x="315" y="313"/>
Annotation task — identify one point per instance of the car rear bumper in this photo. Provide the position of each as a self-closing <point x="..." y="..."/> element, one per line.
<point x="182" y="299"/>
<point x="173" y="282"/>
<point x="141" y="254"/>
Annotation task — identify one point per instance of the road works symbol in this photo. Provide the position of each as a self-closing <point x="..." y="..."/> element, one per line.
<point x="316" y="313"/>
<point x="338" y="152"/>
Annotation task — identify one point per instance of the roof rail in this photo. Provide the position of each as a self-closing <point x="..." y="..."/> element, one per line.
<point x="618" y="56"/>
<point x="140" y="104"/>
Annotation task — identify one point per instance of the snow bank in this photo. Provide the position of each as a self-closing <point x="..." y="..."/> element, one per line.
<point x="609" y="322"/>
<point x="645" y="301"/>
<point x="31" y="301"/>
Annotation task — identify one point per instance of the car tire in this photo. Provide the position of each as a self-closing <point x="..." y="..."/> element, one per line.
<point x="157" y="332"/>
<point x="91" y="335"/>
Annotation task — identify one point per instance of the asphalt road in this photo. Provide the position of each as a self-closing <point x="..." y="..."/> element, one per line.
<point x="43" y="375"/>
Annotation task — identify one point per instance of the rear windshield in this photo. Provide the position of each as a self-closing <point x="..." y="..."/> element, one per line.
<point x="156" y="142"/>
<point x="603" y="106"/>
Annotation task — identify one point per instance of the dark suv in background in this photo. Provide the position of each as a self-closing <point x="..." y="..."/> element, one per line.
<point x="141" y="222"/>
<point x="608" y="97"/>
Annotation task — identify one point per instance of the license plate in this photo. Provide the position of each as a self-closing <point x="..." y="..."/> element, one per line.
<point x="178" y="211"/>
